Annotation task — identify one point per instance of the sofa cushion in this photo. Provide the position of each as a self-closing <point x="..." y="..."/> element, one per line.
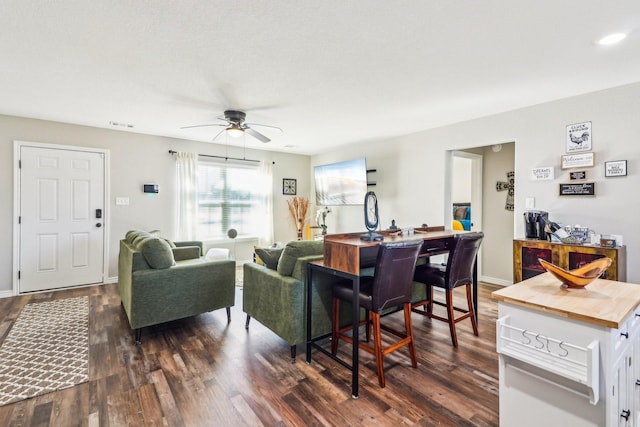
<point x="157" y="253"/>
<point x="171" y="244"/>
<point x="269" y="257"/>
<point x="295" y="250"/>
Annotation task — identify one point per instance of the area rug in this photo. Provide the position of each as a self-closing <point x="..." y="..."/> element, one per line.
<point x="47" y="349"/>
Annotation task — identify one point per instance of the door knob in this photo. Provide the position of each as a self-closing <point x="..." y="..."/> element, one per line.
<point x="98" y="225"/>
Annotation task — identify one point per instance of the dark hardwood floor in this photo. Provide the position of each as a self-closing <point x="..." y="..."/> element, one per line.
<point x="202" y="371"/>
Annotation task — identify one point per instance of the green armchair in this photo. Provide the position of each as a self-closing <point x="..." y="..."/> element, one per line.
<point x="276" y="295"/>
<point x="160" y="281"/>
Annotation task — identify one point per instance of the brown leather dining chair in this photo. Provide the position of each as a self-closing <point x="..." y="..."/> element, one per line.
<point x="389" y="287"/>
<point x="457" y="272"/>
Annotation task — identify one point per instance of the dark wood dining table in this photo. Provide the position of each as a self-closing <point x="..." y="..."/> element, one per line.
<point x="346" y="256"/>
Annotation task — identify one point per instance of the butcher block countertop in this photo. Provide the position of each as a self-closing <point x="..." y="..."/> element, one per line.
<point x="602" y="302"/>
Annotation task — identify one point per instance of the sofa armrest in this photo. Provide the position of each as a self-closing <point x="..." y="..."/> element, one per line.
<point x="191" y="243"/>
<point x="300" y="267"/>
<point x="181" y="253"/>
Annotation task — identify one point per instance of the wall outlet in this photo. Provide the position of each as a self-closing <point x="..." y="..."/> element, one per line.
<point x="122" y="201"/>
<point x="530" y="203"/>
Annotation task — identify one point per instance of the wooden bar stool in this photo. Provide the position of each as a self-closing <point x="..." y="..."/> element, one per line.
<point x="458" y="272"/>
<point x="389" y="287"/>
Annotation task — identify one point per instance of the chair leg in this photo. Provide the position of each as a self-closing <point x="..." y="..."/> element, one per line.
<point x="138" y="336"/>
<point x="474" y="322"/>
<point x="293" y="354"/>
<point x="451" y="317"/>
<point x="228" y="314"/>
<point x="409" y="329"/>
<point x="335" y="324"/>
<point x="429" y="306"/>
<point x="367" y="328"/>
<point x="377" y="347"/>
<point x="246" y="323"/>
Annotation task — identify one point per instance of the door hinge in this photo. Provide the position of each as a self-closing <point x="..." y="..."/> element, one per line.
<point x="18" y="274"/>
<point x="19" y="220"/>
<point x="19" y="164"/>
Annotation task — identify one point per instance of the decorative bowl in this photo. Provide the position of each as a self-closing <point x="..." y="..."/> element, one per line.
<point x="580" y="277"/>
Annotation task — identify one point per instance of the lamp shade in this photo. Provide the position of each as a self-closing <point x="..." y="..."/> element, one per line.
<point x="235" y="131"/>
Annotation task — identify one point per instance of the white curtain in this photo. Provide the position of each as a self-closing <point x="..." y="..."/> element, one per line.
<point x="265" y="237"/>
<point x="187" y="177"/>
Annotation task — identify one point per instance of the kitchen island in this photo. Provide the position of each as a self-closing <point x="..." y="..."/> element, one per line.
<point x="569" y="356"/>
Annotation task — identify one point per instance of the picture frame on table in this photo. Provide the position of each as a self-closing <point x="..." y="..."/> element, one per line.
<point x="615" y="168"/>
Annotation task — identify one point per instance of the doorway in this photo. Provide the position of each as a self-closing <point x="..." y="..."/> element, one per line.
<point x="60" y="217"/>
<point x="489" y="206"/>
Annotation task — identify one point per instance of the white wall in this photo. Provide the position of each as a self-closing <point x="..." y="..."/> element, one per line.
<point x="411" y="169"/>
<point x="461" y="185"/>
<point x="135" y="160"/>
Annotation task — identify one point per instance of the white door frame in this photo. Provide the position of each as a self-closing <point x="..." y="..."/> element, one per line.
<point x="476" y="191"/>
<point x="17" y="145"/>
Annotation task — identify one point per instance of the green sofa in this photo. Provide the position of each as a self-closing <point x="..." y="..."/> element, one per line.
<point x="160" y="280"/>
<point x="275" y="295"/>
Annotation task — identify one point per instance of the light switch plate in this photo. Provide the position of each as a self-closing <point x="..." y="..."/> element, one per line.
<point x="530" y="203"/>
<point x="122" y="201"/>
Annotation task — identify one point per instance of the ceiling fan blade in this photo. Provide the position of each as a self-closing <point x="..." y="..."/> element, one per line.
<point x="256" y="135"/>
<point x="276" y="128"/>
<point x="218" y="134"/>
<point x="200" y="126"/>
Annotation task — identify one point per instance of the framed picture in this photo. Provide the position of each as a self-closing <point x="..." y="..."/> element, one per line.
<point x="577" y="160"/>
<point x="289" y="186"/>
<point x="584" y="189"/>
<point x="615" y="168"/>
<point x="542" y="173"/>
<point x="579" y="137"/>
<point x="577" y="175"/>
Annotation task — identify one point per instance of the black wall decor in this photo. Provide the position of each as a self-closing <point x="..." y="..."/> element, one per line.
<point x="582" y="189"/>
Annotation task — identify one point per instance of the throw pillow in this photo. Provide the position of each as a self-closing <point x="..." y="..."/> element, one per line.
<point x="269" y="257"/>
<point x="173" y="245"/>
<point x="295" y="250"/>
<point x="157" y="253"/>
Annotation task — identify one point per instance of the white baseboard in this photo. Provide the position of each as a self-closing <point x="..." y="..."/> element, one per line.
<point x="6" y="294"/>
<point x="495" y="281"/>
<point x="111" y="280"/>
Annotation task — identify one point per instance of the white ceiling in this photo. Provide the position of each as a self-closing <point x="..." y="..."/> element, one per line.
<point x="328" y="72"/>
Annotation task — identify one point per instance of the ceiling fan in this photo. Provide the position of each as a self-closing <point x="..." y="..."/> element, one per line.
<point x="236" y="126"/>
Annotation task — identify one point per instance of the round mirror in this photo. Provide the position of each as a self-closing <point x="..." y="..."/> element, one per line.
<point x="232" y="233"/>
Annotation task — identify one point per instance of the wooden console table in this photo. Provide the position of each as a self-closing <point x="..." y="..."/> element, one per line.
<point x="527" y="251"/>
<point x="345" y="255"/>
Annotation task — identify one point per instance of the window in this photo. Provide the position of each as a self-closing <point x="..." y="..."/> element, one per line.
<point x="229" y="196"/>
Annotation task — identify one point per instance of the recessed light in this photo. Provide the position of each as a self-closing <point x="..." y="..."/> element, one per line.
<point x="612" y="39"/>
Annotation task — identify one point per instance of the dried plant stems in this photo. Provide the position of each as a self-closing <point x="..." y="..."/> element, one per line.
<point x="298" y="207"/>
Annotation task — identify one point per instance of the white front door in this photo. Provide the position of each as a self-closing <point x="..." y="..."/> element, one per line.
<point x="61" y="218"/>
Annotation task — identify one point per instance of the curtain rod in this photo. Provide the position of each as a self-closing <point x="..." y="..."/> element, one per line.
<point x="221" y="157"/>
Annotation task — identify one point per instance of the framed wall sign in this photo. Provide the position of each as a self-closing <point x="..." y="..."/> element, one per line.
<point x="579" y="137"/>
<point x="577" y="160"/>
<point x="289" y="186"/>
<point x="577" y="175"/>
<point x="542" y="173"/>
<point x="615" y="168"/>
<point x="583" y="189"/>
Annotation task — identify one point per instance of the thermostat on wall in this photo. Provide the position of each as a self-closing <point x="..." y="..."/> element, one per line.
<point x="150" y="188"/>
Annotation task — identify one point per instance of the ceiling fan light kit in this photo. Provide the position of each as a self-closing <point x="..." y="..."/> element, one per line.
<point x="235" y="131"/>
<point x="236" y="126"/>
